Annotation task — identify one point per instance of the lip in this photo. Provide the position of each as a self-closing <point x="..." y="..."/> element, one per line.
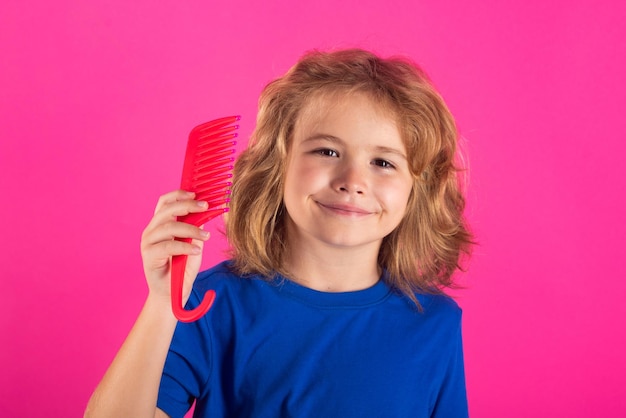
<point x="345" y="209"/>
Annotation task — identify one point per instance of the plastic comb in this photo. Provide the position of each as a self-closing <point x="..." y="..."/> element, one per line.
<point x="206" y="172"/>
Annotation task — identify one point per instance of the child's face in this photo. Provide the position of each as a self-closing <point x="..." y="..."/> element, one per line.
<point x="348" y="180"/>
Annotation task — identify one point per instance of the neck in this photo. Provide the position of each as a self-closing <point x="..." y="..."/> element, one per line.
<point x="329" y="268"/>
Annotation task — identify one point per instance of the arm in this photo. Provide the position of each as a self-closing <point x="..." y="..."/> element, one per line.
<point x="452" y="400"/>
<point x="130" y="386"/>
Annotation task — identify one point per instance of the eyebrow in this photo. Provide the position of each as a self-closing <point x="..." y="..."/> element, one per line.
<point x="336" y="140"/>
<point x="327" y="137"/>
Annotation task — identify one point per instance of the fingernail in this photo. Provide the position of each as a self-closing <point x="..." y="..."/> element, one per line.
<point x="202" y="204"/>
<point x="204" y="234"/>
<point x="196" y="250"/>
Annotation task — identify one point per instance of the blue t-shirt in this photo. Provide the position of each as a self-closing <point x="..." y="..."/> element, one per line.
<point x="277" y="349"/>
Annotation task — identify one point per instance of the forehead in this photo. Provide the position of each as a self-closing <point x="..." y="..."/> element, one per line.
<point x="323" y="101"/>
<point x="332" y="107"/>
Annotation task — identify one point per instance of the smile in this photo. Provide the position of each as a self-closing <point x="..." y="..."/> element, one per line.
<point x="343" y="209"/>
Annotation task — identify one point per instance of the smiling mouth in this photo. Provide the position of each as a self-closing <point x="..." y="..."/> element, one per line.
<point x="342" y="209"/>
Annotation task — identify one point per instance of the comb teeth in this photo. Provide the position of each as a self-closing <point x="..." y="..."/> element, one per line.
<point x="214" y="129"/>
<point x="202" y="184"/>
<point x="222" y="133"/>
<point x="204" y="157"/>
<point x="213" y="197"/>
<point x="208" y="166"/>
<point x="215" y="147"/>
<point x="208" y="163"/>
<point x="217" y="123"/>
<point x="201" y="175"/>
<point x="212" y="188"/>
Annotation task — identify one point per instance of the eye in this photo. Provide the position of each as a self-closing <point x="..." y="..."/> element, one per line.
<point x="383" y="164"/>
<point x="326" y="152"/>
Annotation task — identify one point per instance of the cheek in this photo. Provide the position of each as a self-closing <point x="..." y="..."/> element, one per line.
<point x="307" y="178"/>
<point x="300" y="184"/>
<point x="396" y="195"/>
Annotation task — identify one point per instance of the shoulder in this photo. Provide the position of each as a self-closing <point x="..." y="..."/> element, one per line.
<point x="439" y="304"/>
<point x="437" y="314"/>
<point x="217" y="277"/>
<point x="220" y="270"/>
<point x="233" y="291"/>
<point x="434" y="328"/>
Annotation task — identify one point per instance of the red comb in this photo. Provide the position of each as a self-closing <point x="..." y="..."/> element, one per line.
<point x="206" y="172"/>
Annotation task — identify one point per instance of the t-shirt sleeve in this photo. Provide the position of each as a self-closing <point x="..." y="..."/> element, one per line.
<point x="187" y="367"/>
<point x="452" y="399"/>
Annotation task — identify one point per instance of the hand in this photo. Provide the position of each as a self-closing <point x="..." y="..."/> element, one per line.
<point x="158" y="244"/>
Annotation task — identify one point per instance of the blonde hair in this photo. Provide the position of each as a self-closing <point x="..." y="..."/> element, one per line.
<point x="424" y="251"/>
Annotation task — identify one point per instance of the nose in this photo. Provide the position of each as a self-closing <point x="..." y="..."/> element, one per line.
<point x="350" y="178"/>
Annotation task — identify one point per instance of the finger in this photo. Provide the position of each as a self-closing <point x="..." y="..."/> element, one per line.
<point x="165" y="249"/>
<point x="174" y="196"/>
<point x="170" y="230"/>
<point x="173" y="209"/>
<point x="205" y="237"/>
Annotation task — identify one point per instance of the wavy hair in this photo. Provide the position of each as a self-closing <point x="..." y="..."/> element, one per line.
<point x="426" y="248"/>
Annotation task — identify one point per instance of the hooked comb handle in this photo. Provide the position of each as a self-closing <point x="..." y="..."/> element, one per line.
<point x="179" y="262"/>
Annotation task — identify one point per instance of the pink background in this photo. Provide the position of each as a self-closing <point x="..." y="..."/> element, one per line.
<point x="97" y="98"/>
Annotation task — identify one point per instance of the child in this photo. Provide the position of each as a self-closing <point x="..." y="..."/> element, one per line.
<point x="345" y="225"/>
